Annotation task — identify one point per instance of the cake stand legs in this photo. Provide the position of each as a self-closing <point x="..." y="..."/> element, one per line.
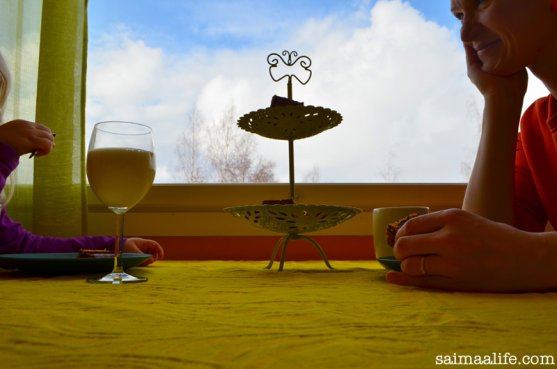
<point x="283" y="241"/>
<point x="275" y="250"/>
<point x="283" y="253"/>
<point x="319" y="249"/>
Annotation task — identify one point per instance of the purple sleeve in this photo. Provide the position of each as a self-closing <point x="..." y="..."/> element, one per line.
<point x="16" y="239"/>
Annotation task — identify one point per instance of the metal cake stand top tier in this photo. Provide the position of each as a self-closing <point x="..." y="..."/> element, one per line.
<point x="290" y="122"/>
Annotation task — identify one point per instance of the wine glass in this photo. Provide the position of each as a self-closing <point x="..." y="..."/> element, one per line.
<point x="120" y="169"/>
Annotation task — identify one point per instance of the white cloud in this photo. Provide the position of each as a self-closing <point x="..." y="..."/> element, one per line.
<point x="399" y="82"/>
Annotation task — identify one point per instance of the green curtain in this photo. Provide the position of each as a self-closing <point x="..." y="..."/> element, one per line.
<point x="51" y="201"/>
<point x="20" y="23"/>
<point x="59" y="191"/>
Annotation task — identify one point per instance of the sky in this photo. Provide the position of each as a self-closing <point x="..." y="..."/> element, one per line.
<point x="394" y="69"/>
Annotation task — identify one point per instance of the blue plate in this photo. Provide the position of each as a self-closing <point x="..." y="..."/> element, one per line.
<point x="66" y="263"/>
<point x="389" y="262"/>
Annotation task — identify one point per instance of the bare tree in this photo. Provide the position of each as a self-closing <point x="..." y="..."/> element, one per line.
<point x="313" y="175"/>
<point x="228" y="155"/>
<point x="390" y="172"/>
<point x="232" y="153"/>
<point x="263" y="172"/>
<point x="190" y="167"/>
<point x="466" y="169"/>
<point x="473" y="114"/>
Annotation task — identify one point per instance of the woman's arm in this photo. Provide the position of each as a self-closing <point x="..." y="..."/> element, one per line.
<point x="490" y="188"/>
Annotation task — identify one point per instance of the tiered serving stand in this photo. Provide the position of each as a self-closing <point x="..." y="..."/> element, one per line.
<point x="289" y="123"/>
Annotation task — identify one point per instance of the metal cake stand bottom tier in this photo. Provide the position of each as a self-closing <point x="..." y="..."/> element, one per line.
<point x="293" y="220"/>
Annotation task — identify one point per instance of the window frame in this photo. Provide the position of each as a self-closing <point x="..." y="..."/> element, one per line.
<point x="197" y="209"/>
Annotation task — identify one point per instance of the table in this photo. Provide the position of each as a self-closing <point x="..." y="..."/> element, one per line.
<point x="230" y="314"/>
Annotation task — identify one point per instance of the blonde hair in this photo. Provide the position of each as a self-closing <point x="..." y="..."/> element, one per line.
<point x="4" y="90"/>
<point x="4" y="85"/>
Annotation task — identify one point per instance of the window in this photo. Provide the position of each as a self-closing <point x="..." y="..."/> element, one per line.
<point x="394" y="70"/>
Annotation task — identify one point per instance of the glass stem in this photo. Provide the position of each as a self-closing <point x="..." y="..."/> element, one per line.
<point x="119" y="243"/>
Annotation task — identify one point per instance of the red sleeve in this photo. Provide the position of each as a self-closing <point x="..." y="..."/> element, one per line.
<point x="529" y="213"/>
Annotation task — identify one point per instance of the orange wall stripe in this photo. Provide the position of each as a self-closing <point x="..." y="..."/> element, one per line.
<point x="260" y="248"/>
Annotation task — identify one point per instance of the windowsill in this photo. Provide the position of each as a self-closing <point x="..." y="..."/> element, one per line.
<point x="196" y="210"/>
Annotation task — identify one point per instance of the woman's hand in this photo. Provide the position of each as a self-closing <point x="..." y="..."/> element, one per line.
<point x="141" y="245"/>
<point x="27" y="137"/>
<point x="511" y="86"/>
<point x="459" y="250"/>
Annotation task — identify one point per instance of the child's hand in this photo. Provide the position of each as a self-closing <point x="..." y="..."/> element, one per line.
<point x="27" y="137"/>
<point x="141" y="245"/>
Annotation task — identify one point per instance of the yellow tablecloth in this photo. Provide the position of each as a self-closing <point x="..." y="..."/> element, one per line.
<point x="227" y="314"/>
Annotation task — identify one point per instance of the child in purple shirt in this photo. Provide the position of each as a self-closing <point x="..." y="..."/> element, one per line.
<point x="20" y="137"/>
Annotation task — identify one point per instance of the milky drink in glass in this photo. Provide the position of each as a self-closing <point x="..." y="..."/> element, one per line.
<point x="120" y="177"/>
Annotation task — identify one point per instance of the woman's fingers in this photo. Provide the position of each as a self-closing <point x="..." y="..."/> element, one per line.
<point x="427" y="223"/>
<point x="421" y="236"/>
<point x="422" y="265"/>
<point x="421" y="244"/>
<point x="435" y="233"/>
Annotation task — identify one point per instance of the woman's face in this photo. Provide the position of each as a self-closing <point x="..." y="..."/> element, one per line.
<point x="507" y="35"/>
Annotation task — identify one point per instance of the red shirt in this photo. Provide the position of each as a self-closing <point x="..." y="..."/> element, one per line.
<point x="536" y="167"/>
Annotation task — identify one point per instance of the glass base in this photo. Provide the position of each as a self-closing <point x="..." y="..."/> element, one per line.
<point x="118" y="278"/>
